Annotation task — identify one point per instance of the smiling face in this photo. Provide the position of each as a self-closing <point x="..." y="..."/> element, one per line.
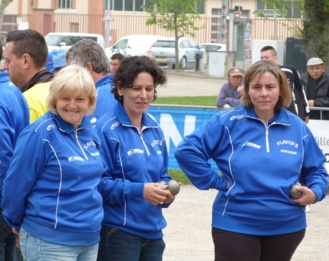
<point x="73" y="108"/>
<point x="138" y="98"/>
<point x="264" y="93"/>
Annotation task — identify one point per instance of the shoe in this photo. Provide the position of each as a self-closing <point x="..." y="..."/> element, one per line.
<point x="307" y="208"/>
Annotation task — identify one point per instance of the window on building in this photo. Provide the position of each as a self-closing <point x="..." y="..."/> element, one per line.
<point x="137" y="5"/>
<point x="74" y="27"/>
<point x="292" y="5"/>
<point x="64" y="4"/>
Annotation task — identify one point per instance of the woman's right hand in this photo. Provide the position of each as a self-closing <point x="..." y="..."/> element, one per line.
<point x="155" y="195"/>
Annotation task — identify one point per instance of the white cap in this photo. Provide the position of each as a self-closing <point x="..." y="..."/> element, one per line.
<point x="314" y="61"/>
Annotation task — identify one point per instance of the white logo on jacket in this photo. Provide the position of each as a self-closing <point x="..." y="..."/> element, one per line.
<point x="156" y="142"/>
<point x="237" y="117"/>
<point x="89" y="144"/>
<point x="51" y="126"/>
<point x="250" y="144"/>
<point x="287" y="142"/>
<point x="133" y="151"/>
<point x="75" y="158"/>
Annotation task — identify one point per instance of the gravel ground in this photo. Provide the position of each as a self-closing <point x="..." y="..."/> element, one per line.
<point x="188" y="234"/>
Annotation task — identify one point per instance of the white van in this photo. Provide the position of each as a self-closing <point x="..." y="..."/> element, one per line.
<point x="138" y="44"/>
<point x="66" y="40"/>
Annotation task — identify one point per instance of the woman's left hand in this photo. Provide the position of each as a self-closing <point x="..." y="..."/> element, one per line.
<point x="308" y="197"/>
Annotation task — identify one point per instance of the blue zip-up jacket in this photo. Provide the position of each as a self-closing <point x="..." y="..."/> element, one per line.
<point x="105" y="99"/>
<point x="51" y="186"/>
<point x="14" y="118"/>
<point x="135" y="159"/>
<point x="261" y="163"/>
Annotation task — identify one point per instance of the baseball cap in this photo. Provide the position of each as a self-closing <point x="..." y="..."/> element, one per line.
<point x="56" y="59"/>
<point x="314" y="61"/>
<point x="235" y="72"/>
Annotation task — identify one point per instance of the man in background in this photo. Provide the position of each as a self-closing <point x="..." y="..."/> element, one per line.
<point x="230" y="94"/>
<point x="115" y="62"/>
<point x="25" y="57"/>
<point x="299" y="104"/>
<point x="90" y="55"/>
<point x="316" y="83"/>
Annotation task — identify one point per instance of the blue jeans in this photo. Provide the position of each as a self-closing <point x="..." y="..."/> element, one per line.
<point x="123" y="246"/>
<point x="35" y="249"/>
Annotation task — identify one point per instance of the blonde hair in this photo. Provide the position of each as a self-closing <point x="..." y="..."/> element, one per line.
<point x="259" y="68"/>
<point x="72" y="80"/>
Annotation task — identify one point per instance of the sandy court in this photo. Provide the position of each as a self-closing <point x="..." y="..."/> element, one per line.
<point x="188" y="234"/>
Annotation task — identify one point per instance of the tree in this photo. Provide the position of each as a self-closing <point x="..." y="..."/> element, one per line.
<point x="175" y="15"/>
<point x="315" y="27"/>
<point x="3" y="5"/>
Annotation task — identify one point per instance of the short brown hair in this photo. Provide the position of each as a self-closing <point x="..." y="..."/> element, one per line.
<point x="259" y="68"/>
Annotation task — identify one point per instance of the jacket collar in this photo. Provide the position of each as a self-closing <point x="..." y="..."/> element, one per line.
<point x="69" y="128"/>
<point x="281" y="117"/>
<point x="122" y="116"/>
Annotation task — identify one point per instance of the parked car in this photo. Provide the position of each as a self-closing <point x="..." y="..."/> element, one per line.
<point x="163" y="51"/>
<point x="66" y="40"/>
<point x="212" y="47"/>
<point x="138" y="44"/>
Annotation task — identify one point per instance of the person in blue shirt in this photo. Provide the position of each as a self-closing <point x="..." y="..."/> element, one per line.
<point x="134" y="149"/>
<point x="14" y="117"/>
<point x="56" y="60"/>
<point x="261" y="149"/>
<point x="90" y="55"/>
<point x="230" y="93"/>
<point x="50" y="195"/>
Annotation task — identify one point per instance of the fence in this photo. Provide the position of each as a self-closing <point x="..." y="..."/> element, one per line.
<point x="132" y="23"/>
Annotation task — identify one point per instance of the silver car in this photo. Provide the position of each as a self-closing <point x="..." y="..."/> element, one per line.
<point x="163" y="51"/>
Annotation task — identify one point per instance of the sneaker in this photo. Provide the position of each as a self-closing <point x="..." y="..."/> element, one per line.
<point x="307" y="208"/>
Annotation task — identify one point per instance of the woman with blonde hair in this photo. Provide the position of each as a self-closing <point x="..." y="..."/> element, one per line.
<point x="50" y="194"/>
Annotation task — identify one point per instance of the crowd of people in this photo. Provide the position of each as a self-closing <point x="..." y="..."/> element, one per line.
<point x="84" y="166"/>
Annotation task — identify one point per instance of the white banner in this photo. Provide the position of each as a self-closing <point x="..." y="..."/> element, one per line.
<point x="320" y="130"/>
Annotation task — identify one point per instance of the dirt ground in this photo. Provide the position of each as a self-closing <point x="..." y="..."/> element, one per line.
<point x="188" y="234"/>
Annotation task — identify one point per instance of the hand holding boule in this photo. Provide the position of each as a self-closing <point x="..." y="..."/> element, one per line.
<point x="173" y="187"/>
<point x="294" y="193"/>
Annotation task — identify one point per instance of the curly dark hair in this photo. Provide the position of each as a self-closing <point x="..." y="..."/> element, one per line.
<point x="129" y="69"/>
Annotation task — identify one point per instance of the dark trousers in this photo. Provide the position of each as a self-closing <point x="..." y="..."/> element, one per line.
<point x="7" y="241"/>
<point x="230" y="246"/>
<point x="117" y="245"/>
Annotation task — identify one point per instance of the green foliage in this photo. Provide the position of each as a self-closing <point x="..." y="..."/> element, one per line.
<point x="175" y="15"/>
<point x="188" y="100"/>
<point x="178" y="16"/>
<point x="179" y="176"/>
<point x="4" y="4"/>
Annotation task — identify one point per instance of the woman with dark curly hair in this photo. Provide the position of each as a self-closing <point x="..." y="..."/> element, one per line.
<point x="134" y="149"/>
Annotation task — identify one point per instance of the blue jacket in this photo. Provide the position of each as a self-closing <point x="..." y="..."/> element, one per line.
<point x="105" y="99"/>
<point x="14" y="118"/>
<point x="134" y="159"/>
<point x="51" y="186"/>
<point x="261" y="163"/>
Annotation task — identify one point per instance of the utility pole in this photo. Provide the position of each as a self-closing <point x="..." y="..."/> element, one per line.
<point x="224" y="13"/>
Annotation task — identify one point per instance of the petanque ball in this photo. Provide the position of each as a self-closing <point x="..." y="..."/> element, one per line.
<point x="173" y="187"/>
<point x="294" y="193"/>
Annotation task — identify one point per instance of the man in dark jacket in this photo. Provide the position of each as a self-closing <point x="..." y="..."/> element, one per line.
<point x="316" y="83"/>
<point x="299" y="104"/>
